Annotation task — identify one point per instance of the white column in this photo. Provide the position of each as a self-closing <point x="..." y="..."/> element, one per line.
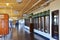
<point x="50" y="24"/>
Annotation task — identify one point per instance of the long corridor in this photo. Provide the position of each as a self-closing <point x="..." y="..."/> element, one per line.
<point x="21" y="34"/>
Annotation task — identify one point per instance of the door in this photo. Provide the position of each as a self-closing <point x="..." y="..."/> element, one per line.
<point x="55" y="24"/>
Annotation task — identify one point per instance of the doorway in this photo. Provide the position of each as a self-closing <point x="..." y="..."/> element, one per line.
<point x="55" y="24"/>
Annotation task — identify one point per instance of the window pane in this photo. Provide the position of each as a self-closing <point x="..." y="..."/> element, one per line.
<point x="47" y="24"/>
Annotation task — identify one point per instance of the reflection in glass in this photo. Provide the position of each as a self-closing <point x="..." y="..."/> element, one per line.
<point x="40" y="23"/>
<point x="27" y="22"/>
<point x="42" y="26"/>
<point x="31" y="36"/>
<point x="36" y="21"/>
<point x="55" y="19"/>
<point x="47" y="24"/>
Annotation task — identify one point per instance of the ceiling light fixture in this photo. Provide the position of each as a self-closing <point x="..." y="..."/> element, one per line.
<point x="7" y="4"/>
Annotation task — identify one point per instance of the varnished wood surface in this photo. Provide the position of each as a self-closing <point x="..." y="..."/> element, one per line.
<point x="21" y="34"/>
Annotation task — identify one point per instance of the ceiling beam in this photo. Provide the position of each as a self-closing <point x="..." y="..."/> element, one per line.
<point x="38" y="2"/>
<point x="25" y="6"/>
<point x="30" y="4"/>
<point x="37" y="5"/>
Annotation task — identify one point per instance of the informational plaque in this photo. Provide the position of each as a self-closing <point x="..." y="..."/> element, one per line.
<point x="4" y="29"/>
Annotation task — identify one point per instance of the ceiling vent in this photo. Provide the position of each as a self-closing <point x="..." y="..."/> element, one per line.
<point x="18" y="1"/>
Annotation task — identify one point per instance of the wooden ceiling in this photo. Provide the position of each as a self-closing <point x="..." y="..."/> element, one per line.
<point x="22" y="7"/>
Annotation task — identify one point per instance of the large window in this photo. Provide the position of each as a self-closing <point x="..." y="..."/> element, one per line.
<point x="27" y="22"/>
<point x="36" y="23"/>
<point x="47" y="24"/>
<point x="42" y="24"/>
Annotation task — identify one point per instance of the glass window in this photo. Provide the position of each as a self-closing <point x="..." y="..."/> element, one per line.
<point x="55" y="19"/>
<point x="39" y="23"/>
<point x="42" y="24"/>
<point x="47" y="24"/>
<point x="36" y="23"/>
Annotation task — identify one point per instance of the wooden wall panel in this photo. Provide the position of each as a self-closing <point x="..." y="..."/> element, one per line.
<point x="4" y="29"/>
